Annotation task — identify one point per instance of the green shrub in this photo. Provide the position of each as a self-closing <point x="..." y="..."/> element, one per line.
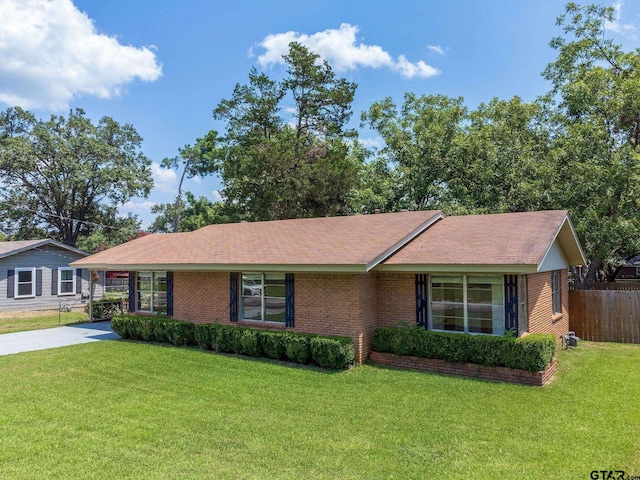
<point x="202" y="336"/>
<point x="327" y="352"/>
<point x="335" y="353"/>
<point x="273" y="344"/>
<point x="248" y="342"/>
<point x="297" y="348"/>
<point x="533" y="352"/>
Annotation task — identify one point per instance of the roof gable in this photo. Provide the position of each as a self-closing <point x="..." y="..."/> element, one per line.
<point x="13" y="247"/>
<point x="510" y="241"/>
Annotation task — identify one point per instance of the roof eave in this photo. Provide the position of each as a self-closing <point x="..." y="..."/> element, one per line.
<point x="510" y="269"/>
<point x="276" y="268"/>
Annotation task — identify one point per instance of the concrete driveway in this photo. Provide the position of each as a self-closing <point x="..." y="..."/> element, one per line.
<point x="56" y="337"/>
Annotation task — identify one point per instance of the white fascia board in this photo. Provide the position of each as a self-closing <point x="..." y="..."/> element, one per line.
<point x="502" y="269"/>
<point x="224" y="268"/>
<point x="401" y="243"/>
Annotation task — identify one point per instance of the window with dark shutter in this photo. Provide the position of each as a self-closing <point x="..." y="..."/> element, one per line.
<point x="233" y="297"/>
<point x="421" y="299"/>
<point x="289" y="314"/>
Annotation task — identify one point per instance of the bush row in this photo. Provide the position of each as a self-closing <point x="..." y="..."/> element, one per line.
<point x="533" y="352"/>
<point x="327" y="352"/>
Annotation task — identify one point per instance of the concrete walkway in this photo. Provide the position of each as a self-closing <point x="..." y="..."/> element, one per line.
<point x="55" y="337"/>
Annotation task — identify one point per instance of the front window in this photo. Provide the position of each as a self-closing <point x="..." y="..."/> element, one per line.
<point x="25" y="282"/>
<point x="65" y="281"/>
<point x="467" y="303"/>
<point x="555" y="292"/>
<point x="262" y="297"/>
<point x="151" y="292"/>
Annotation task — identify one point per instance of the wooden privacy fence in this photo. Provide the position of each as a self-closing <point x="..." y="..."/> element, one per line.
<point x="605" y="315"/>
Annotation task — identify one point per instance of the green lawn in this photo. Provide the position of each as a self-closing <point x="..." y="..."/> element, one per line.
<point x="130" y="410"/>
<point x="37" y="321"/>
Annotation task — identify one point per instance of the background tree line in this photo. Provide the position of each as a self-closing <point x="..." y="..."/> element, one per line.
<point x="287" y="152"/>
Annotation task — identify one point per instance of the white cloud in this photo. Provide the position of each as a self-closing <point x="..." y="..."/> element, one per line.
<point x="437" y="49"/>
<point x="340" y="48"/>
<point x="135" y="207"/>
<point x="50" y="53"/>
<point x="216" y="195"/>
<point x="163" y="179"/>
<point x="375" y="143"/>
<point x="616" y="25"/>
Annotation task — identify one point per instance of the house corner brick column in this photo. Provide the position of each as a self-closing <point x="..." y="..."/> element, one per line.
<point x="539" y="306"/>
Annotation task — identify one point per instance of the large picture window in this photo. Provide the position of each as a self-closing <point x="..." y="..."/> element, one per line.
<point x="262" y="297"/>
<point x="151" y="292"/>
<point x="467" y="303"/>
<point x="25" y="281"/>
<point x="65" y="281"/>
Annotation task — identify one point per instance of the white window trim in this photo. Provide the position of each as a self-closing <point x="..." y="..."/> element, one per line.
<point x="465" y="309"/>
<point x="152" y="291"/>
<point x="33" y="282"/>
<point x="73" y="278"/>
<point x="262" y="299"/>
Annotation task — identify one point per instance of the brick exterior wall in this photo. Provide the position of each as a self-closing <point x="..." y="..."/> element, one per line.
<point x="396" y="298"/>
<point x="337" y="304"/>
<point x="201" y="297"/>
<point x="540" y="316"/>
<point x="350" y="305"/>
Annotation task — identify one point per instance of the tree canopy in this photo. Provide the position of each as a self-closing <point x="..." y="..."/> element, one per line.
<point x="286" y="152"/>
<point x="63" y="178"/>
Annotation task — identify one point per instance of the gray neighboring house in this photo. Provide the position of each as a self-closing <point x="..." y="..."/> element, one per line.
<point x="35" y="275"/>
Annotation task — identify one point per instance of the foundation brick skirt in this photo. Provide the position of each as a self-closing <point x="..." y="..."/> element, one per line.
<point x="498" y="374"/>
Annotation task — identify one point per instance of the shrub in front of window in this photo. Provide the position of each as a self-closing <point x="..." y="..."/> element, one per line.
<point x="273" y="344"/>
<point x="297" y="348"/>
<point x="327" y="352"/>
<point x="533" y="352"/>
<point x="332" y="352"/>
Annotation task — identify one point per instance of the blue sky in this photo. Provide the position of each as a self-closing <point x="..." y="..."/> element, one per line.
<point x="163" y="66"/>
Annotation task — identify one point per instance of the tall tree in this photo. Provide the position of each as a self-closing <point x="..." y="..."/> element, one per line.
<point x="195" y="213"/>
<point x="594" y="113"/>
<point x="273" y="167"/>
<point x="63" y="177"/>
<point x="418" y="140"/>
<point x="499" y="160"/>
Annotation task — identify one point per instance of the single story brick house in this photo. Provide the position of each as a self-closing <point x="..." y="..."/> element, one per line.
<point x="35" y="275"/>
<point x="481" y="274"/>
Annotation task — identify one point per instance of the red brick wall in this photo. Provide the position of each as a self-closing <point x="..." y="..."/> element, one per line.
<point x="539" y="308"/>
<point x="337" y="304"/>
<point x="201" y="297"/>
<point x="396" y="298"/>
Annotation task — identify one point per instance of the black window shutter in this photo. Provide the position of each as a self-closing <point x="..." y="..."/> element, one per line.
<point x="170" y="294"/>
<point x="78" y="280"/>
<point x="10" y="283"/>
<point x="289" y="309"/>
<point x="39" y="282"/>
<point x="233" y="297"/>
<point x="510" y="302"/>
<point x="421" y="299"/>
<point x="54" y="281"/>
<point x="132" y="291"/>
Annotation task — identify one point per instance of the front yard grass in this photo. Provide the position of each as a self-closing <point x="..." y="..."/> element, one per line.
<point x="132" y="410"/>
<point x="20" y="321"/>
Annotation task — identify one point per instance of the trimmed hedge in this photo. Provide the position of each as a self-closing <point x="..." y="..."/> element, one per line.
<point x="533" y="352"/>
<point x="327" y="352"/>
